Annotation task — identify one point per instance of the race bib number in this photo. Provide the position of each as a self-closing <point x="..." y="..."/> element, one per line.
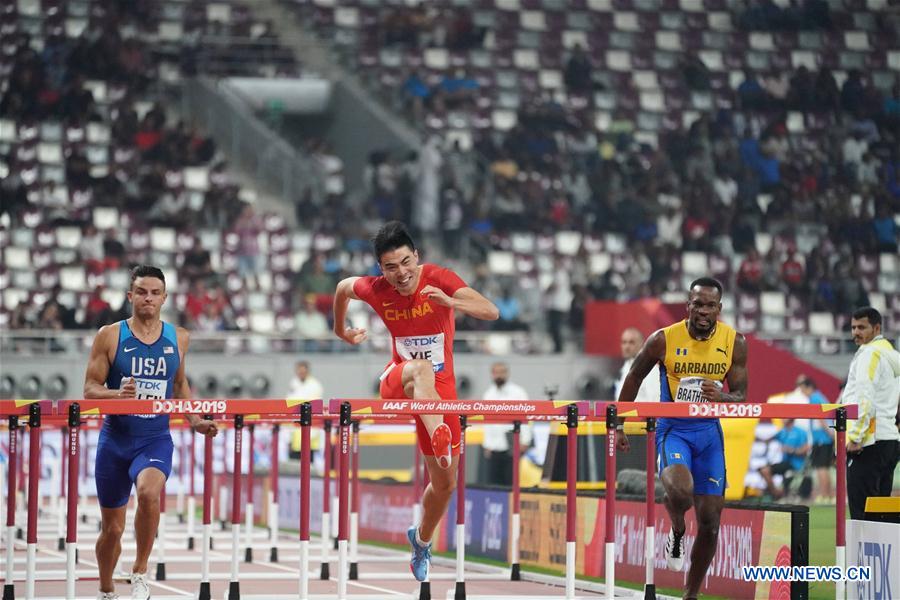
<point x="690" y="390"/>
<point x="150" y="389"/>
<point x="422" y="347"/>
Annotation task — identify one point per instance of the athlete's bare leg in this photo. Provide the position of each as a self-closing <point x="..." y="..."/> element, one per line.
<point x="109" y="547"/>
<point x="679" y="485"/>
<point x="150" y="483"/>
<point x="708" y="510"/>
<point x="437" y="495"/>
<point x="418" y="383"/>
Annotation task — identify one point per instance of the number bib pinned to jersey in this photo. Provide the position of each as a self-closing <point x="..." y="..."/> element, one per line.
<point x="690" y="389"/>
<point x="150" y="389"/>
<point x="422" y="347"/>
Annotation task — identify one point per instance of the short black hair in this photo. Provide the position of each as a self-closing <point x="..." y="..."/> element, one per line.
<point x="147" y="271"/>
<point x="391" y="236"/>
<point x="867" y="312"/>
<point x="707" y="282"/>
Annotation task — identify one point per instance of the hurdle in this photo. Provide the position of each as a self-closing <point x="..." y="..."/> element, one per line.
<point x="653" y="410"/>
<point x="569" y="411"/>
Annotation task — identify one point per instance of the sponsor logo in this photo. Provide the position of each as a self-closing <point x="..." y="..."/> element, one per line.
<point x="129" y="349"/>
<point x="715" y="481"/>
<point x="722" y="350"/>
<point x="387" y="303"/>
<point x="155" y="460"/>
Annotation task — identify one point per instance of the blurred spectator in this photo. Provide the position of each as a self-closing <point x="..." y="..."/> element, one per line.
<point x="794" y="448"/>
<point x="303" y="386"/>
<point x="195" y="303"/>
<point x="510" y="311"/>
<point x="91" y="250"/>
<point x="196" y="263"/>
<point x="558" y="300"/>
<point x="631" y="342"/>
<point x="311" y="325"/>
<point x="577" y="75"/>
<point x="496" y="447"/>
<point x="792" y="273"/>
<point x="822" y="454"/>
<point x="886" y="230"/>
<point x="210" y="319"/>
<point x="751" y="95"/>
<point x="98" y="311"/>
<point x="248" y="228"/>
<point x="113" y="250"/>
<point x="314" y="279"/>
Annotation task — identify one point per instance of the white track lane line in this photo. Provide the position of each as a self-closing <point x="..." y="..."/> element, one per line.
<point x="152" y="582"/>
<point x="282" y="567"/>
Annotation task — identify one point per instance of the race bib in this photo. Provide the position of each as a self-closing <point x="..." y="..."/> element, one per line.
<point x="150" y="389"/>
<point x="689" y="389"/>
<point x="422" y="347"/>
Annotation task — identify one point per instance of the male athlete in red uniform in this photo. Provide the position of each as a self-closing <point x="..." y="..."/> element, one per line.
<point x="416" y="303"/>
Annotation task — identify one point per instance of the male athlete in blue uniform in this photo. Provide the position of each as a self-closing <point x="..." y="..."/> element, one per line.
<point x="141" y="357"/>
<point x="695" y="356"/>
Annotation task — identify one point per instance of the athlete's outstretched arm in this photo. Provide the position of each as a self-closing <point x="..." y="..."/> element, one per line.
<point x="466" y="300"/>
<point x="183" y="389"/>
<point x="98" y="368"/>
<point x="653" y="351"/>
<point x="736" y="377"/>
<point x="343" y="294"/>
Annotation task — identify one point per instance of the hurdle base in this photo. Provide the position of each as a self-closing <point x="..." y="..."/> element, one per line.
<point x="234" y="590"/>
<point x="425" y="590"/>
<point x="325" y="574"/>
<point x="161" y="571"/>
<point x="190" y="543"/>
<point x="61" y="544"/>
<point x="650" y="591"/>
<point x="515" y="572"/>
<point x="460" y="593"/>
<point x="204" y="591"/>
<point x="335" y="543"/>
<point x="248" y="555"/>
<point x="273" y="554"/>
<point x="354" y="571"/>
<point x="9" y="591"/>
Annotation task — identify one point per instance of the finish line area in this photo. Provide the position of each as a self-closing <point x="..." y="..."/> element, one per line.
<point x="233" y="556"/>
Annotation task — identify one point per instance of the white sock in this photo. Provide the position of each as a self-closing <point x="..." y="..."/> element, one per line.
<point x="419" y="540"/>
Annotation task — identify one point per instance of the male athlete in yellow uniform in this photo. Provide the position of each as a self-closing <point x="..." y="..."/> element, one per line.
<point x="695" y="356"/>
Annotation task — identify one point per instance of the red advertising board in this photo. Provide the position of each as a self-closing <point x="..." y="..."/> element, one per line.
<point x="746" y="537"/>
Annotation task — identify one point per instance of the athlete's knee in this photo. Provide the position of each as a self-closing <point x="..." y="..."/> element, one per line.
<point x="148" y="498"/>
<point x="444" y="486"/>
<point x="708" y="521"/>
<point x="112" y="530"/>
<point x="419" y="370"/>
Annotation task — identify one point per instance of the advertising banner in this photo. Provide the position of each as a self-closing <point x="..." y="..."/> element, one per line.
<point x="741" y="536"/>
<point x="875" y="545"/>
<point x="386" y="512"/>
<point x="487" y="523"/>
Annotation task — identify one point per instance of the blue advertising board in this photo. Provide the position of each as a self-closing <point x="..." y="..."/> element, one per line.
<point x="487" y="523"/>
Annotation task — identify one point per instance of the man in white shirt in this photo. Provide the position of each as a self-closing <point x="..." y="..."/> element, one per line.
<point x="632" y="340"/>
<point x="496" y="447"/>
<point x="873" y="440"/>
<point x="304" y="386"/>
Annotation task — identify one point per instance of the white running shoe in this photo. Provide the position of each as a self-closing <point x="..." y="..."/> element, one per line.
<point x="675" y="551"/>
<point x="139" y="588"/>
<point x="107" y="596"/>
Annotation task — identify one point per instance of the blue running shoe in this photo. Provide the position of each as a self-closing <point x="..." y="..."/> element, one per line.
<point x="421" y="556"/>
